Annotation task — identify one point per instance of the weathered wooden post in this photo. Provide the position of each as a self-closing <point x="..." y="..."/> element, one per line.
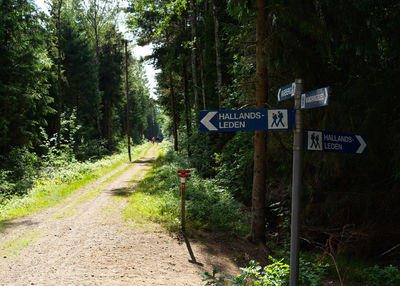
<point x="183" y="174"/>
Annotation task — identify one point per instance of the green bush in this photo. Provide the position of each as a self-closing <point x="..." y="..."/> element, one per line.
<point x="274" y="274"/>
<point x="311" y="272"/>
<point x="6" y="185"/>
<point x="91" y="149"/>
<point x="18" y="171"/>
<point x="213" y="206"/>
<point x="234" y="166"/>
<point x="382" y="276"/>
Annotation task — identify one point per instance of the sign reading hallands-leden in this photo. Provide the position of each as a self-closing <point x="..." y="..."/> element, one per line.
<point x="246" y="120"/>
<point x="315" y="98"/>
<point x="327" y="141"/>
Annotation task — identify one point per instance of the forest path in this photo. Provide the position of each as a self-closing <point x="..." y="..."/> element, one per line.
<point x="86" y="241"/>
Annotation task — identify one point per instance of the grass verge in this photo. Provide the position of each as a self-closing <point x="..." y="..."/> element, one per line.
<point x="47" y="193"/>
<point x="208" y="206"/>
<point x="23" y="239"/>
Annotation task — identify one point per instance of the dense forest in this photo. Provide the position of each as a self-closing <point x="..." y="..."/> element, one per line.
<point x="65" y="78"/>
<point x="68" y="86"/>
<point x="209" y="56"/>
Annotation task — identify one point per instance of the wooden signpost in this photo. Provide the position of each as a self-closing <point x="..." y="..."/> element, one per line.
<point x="183" y="174"/>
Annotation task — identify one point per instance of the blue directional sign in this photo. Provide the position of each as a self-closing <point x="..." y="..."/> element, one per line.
<point x="327" y="141"/>
<point x="246" y="120"/>
<point x="286" y="91"/>
<point x="315" y="98"/>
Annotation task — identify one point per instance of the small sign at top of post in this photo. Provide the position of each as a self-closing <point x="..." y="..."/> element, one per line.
<point x="287" y="91"/>
<point x="183" y="174"/>
<point x="315" y="98"/>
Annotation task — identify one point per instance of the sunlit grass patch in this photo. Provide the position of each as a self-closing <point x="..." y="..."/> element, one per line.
<point x="73" y="205"/>
<point x="65" y="213"/>
<point x="111" y="207"/>
<point x="14" y="245"/>
<point x="154" y="208"/>
<point x="144" y="208"/>
<point x="3" y="227"/>
<point x="157" y="198"/>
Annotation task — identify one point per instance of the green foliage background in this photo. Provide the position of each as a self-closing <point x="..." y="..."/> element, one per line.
<point x="351" y="46"/>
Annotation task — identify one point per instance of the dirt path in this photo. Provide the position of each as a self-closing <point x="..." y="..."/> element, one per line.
<point x="85" y="241"/>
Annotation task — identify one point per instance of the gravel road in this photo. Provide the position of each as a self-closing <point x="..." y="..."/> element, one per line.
<point x="86" y="241"/>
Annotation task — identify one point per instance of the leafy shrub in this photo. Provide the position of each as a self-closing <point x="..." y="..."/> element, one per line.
<point x="214" y="207"/>
<point x="91" y="149"/>
<point x="6" y="185"/>
<point x="213" y="279"/>
<point x="385" y="276"/>
<point x="20" y="167"/>
<point x="276" y="274"/>
<point x="235" y="166"/>
<point x="311" y="272"/>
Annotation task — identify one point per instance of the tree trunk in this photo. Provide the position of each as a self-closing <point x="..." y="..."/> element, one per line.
<point x="259" y="186"/>
<point x="107" y="131"/>
<point x="173" y="110"/>
<point x="59" y="80"/>
<point x="193" y="26"/>
<point x="217" y="53"/>
<point x="128" y="127"/>
<point x="97" y="63"/>
<point x="187" y="106"/>
<point x="203" y="80"/>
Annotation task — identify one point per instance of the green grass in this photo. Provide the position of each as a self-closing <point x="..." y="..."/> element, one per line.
<point x="47" y="193"/>
<point x="157" y="198"/>
<point x="65" y="213"/>
<point x="22" y="239"/>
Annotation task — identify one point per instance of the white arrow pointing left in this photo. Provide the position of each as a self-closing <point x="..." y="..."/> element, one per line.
<point x="206" y="121"/>
<point x="363" y="144"/>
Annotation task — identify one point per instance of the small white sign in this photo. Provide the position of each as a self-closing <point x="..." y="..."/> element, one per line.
<point x="315" y="98"/>
<point x="277" y="119"/>
<point x="314" y="141"/>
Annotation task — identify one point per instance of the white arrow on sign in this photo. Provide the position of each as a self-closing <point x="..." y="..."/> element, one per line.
<point x="206" y="121"/>
<point x="326" y="95"/>
<point x="362" y="144"/>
